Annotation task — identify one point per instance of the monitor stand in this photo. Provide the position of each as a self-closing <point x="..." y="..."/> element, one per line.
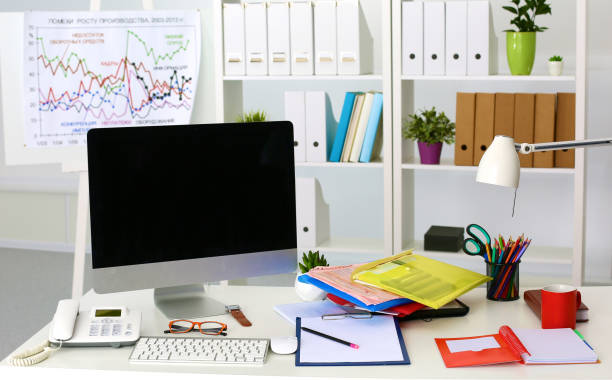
<point x="188" y="301"/>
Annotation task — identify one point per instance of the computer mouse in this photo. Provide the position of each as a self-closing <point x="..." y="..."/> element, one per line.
<point x="283" y="345"/>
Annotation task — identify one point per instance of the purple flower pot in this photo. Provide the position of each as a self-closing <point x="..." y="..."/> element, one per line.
<point x="430" y="153"/>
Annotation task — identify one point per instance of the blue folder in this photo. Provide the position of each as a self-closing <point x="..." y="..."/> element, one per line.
<point x="371" y="129"/>
<point x="305" y="278"/>
<point x="298" y="363"/>
<point x="343" y="124"/>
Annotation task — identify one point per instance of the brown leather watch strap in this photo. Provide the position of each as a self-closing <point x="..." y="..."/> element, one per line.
<point x="237" y="313"/>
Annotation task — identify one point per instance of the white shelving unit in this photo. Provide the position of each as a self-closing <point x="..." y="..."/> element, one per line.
<point x="489" y="78"/>
<point x="565" y="260"/>
<point x="231" y="93"/>
<point x="400" y="172"/>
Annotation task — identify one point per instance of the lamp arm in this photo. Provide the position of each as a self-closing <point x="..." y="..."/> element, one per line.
<point x="526" y="148"/>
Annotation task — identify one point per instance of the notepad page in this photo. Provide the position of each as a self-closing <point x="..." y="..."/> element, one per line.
<point x="555" y="346"/>
<point x="307" y="309"/>
<point x="377" y="339"/>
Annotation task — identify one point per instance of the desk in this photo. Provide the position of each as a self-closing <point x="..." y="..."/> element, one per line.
<point x="485" y="317"/>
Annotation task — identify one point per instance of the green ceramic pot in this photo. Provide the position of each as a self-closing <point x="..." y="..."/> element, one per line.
<point x="520" y="49"/>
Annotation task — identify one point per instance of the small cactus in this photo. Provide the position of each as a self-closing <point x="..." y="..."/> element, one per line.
<point x="312" y="260"/>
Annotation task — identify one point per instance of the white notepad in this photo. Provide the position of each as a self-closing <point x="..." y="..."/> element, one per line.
<point x="379" y="340"/>
<point x="554" y="346"/>
<point x="314" y="309"/>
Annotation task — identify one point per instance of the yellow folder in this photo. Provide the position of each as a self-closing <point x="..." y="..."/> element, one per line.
<point x="421" y="279"/>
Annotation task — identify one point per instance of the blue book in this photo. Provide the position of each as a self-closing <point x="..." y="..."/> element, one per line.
<point x="305" y="278"/>
<point x="371" y="129"/>
<point x="343" y="124"/>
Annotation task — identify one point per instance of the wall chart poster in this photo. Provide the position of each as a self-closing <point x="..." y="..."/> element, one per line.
<point x="87" y="70"/>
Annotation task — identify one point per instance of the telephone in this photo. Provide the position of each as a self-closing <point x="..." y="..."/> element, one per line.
<point x="106" y="326"/>
<point x="101" y="326"/>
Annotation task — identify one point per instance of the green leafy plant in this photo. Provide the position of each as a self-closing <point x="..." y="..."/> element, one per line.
<point x="251" y="117"/>
<point x="525" y="12"/>
<point x="430" y="127"/>
<point x="312" y="260"/>
<point x="555" y="58"/>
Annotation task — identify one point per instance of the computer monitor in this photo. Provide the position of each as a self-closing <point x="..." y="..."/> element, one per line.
<point x="173" y="207"/>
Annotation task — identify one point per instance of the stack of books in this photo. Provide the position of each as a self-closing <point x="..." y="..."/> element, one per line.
<point x="358" y="138"/>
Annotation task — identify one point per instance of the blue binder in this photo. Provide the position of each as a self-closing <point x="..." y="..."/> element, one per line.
<point x="345" y="119"/>
<point x="371" y="129"/>
<point x="345" y="296"/>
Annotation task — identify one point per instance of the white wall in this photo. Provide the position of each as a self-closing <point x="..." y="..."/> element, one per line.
<point x="48" y="216"/>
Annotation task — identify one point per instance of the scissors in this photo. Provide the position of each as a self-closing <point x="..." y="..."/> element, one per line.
<point x="477" y="244"/>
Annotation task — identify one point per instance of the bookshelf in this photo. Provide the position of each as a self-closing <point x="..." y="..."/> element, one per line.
<point x="359" y="194"/>
<point x="543" y="190"/>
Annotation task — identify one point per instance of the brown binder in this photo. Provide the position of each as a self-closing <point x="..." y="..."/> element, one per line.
<point x="484" y="123"/>
<point x="464" y="129"/>
<point x="544" y="129"/>
<point x="504" y="115"/>
<point x="524" y="113"/>
<point x="533" y="299"/>
<point x="566" y="128"/>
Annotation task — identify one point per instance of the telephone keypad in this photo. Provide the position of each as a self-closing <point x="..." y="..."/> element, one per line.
<point x="106" y="328"/>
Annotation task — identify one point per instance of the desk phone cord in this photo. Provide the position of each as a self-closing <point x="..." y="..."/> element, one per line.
<point x="33" y="355"/>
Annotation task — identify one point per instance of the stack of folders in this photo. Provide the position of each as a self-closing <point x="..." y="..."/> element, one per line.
<point x="449" y="38"/>
<point x="359" y="134"/>
<point x="528" y="118"/>
<point x="297" y="37"/>
<point x="393" y="282"/>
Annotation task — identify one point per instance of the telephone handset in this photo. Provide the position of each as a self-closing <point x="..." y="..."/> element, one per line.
<point x="109" y="326"/>
<point x="101" y="326"/>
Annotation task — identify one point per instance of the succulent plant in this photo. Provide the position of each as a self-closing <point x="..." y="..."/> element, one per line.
<point x="555" y="58"/>
<point x="312" y="260"/>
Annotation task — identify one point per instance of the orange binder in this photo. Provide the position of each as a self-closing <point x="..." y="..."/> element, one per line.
<point x="464" y="129"/>
<point x="483" y="124"/>
<point x="566" y="128"/>
<point x="544" y="128"/>
<point x="524" y="113"/>
<point x="504" y="114"/>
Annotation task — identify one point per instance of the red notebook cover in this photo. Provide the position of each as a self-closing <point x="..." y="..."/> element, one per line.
<point x="509" y="350"/>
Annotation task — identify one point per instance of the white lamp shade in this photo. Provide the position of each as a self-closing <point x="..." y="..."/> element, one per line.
<point x="500" y="164"/>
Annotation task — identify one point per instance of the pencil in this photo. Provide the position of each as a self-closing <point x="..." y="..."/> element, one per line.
<point x="352" y="345"/>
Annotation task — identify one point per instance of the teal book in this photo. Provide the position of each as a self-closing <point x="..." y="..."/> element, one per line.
<point x="343" y="124"/>
<point x="372" y="129"/>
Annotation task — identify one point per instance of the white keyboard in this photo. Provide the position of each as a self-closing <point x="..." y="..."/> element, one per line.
<point x="200" y="350"/>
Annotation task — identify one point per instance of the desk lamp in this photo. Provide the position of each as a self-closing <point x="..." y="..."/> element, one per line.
<point x="500" y="163"/>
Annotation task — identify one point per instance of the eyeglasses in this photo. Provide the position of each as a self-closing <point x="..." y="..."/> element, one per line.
<point x="181" y="326"/>
<point x="364" y="315"/>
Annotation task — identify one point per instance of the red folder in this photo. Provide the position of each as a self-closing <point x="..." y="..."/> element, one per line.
<point x="399" y="311"/>
<point x="509" y="350"/>
<point x="528" y="346"/>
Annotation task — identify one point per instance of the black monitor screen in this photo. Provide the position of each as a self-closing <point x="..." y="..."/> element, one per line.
<point x="184" y="192"/>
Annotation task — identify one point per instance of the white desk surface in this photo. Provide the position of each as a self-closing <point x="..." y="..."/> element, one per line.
<point x="485" y="317"/>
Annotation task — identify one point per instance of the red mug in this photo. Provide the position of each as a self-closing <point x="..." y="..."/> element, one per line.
<point x="559" y="306"/>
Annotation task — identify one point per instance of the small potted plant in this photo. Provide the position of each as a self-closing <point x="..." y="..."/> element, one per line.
<point x="251" y="117"/>
<point x="521" y="43"/>
<point x="430" y="129"/>
<point x="555" y="65"/>
<point x="308" y="292"/>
